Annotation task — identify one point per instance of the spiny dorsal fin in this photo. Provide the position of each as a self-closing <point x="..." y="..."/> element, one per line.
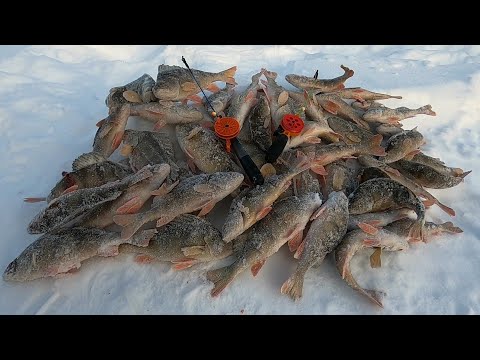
<point x="87" y="159"/>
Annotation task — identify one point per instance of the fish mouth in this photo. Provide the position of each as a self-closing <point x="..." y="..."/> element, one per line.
<point x="10" y="270"/>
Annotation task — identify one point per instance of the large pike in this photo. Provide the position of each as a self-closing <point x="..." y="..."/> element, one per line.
<point x="65" y="250"/>
<point x="255" y="203"/>
<point x="381" y="194"/>
<point x="185" y="241"/>
<point x="175" y="83"/>
<point x="326" y="231"/>
<point x="357" y="240"/>
<point x="199" y="192"/>
<point x="323" y="85"/>
<point x="285" y="222"/>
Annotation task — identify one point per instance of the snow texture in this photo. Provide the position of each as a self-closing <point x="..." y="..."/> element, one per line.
<point x="52" y="96"/>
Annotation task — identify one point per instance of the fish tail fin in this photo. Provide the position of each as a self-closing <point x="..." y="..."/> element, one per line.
<point x="465" y="174"/>
<point x="416" y="231"/>
<point x="142" y="238"/>
<point x="293" y="287"/>
<point x="449" y="227"/>
<point x="130" y="223"/>
<point x="427" y="110"/>
<point x="229" y="75"/>
<point x="34" y="199"/>
<point x="221" y="278"/>
<point x="374" y="146"/>
<point x="445" y="208"/>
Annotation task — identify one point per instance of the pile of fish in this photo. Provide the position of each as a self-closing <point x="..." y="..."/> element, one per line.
<point x="353" y="179"/>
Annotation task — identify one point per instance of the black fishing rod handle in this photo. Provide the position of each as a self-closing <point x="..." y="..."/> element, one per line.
<point x="248" y="165"/>
<point x="276" y="149"/>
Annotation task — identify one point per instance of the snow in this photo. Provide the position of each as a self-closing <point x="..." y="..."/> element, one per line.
<point x="52" y="96"/>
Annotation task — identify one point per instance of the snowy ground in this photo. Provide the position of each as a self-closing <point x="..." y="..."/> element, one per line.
<point x="52" y="96"/>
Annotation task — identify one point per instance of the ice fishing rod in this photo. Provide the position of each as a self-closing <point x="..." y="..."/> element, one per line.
<point x="228" y="128"/>
<point x="291" y="125"/>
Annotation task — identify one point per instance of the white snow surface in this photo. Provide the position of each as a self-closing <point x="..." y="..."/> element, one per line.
<point x="52" y="96"/>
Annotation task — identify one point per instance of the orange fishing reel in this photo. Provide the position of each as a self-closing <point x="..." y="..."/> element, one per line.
<point x="291" y="125"/>
<point x="226" y="128"/>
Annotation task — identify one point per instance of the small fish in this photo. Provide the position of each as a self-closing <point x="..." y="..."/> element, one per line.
<point x="110" y="131"/>
<point x="285" y="222"/>
<point x="260" y="124"/>
<point x="242" y="103"/>
<point x="175" y="83"/>
<point x="199" y="192"/>
<point x="363" y="95"/>
<point x="324" y="155"/>
<point x="402" y="228"/>
<point x="349" y="132"/>
<point x="340" y="177"/>
<point x="185" y="241"/>
<point x="68" y="207"/>
<point x="150" y="148"/>
<point x="168" y="113"/>
<point x="334" y="104"/>
<point x="382" y="194"/>
<point x="277" y="97"/>
<point x="371" y="172"/>
<point x="65" y="250"/>
<point x="376" y="220"/>
<point x="130" y="201"/>
<point x="204" y="149"/>
<point x="405" y="143"/>
<point x="357" y="240"/>
<point x="394" y="174"/>
<point x="365" y="105"/>
<point x="437" y="165"/>
<point x="323" y="85"/>
<point x="219" y="100"/>
<point x="139" y="90"/>
<point x="327" y="230"/>
<point x="255" y="203"/>
<point x="387" y="130"/>
<point x="88" y="170"/>
<point x="426" y="176"/>
<point x="393" y="116"/>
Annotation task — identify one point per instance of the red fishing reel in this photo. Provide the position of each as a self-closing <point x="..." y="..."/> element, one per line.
<point x="227" y="128"/>
<point x="291" y="125"/>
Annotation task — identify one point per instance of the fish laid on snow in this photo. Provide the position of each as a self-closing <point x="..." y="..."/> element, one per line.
<point x="88" y="170"/>
<point x="130" y="201"/>
<point x="324" y="155"/>
<point x="323" y="85"/>
<point x="260" y="120"/>
<point x="285" y="222"/>
<point x="357" y="240"/>
<point x="110" y="131"/>
<point x="376" y="219"/>
<point x="428" y="176"/>
<point x="393" y="116"/>
<point x="168" y="113"/>
<point x="402" y="228"/>
<point x="64" y="209"/>
<point x="382" y="194"/>
<point x="277" y="97"/>
<point x="253" y="204"/>
<point x="387" y="130"/>
<point x="139" y="90"/>
<point x="326" y="231"/>
<point x="199" y="192"/>
<point x="405" y="181"/>
<point x="350" y="132"/>
<point x="363" y="95"/>
<point x="436" y="164"/>
<point x="64" y="251"/>
<point x="149" y="148"/>
<point x="403" y="144"/>
<point x="336" y="106"/>
<point x="204" y="149"/>
<point x="365" y="105"/>
<point x="175" y="83"/>
<point x="185" y="241"/>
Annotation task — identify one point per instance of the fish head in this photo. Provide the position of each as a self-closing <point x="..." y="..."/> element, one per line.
<point x="22" y="270"/>
<point x="223" y="183"/>
<point x="312" y="199"/>
<point x="10" y="272"/>
<point x="292" y="79"/>
<point x="234" y="224"/>
<point x="167" y="88"/>
<point x="66" y="182"/>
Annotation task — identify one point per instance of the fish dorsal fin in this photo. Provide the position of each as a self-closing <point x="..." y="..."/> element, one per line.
<point x="87" y="159"/>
